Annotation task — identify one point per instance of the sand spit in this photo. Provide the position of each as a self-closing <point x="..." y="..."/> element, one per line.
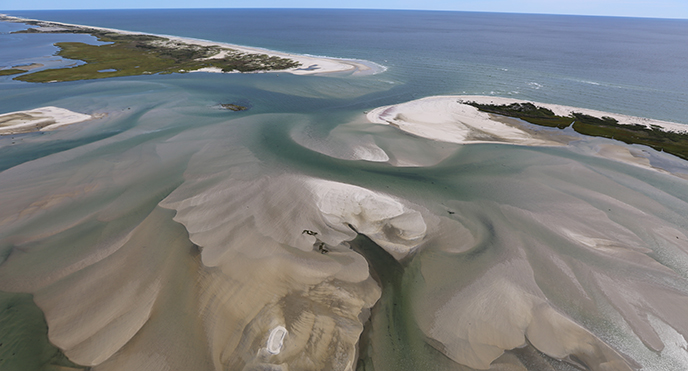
<point x="29" y="67"/>
<point x="39" y="119"/>
<point x="445" y="119"/>
<point x="309" y="64"/>
<point x="448" y="119"/>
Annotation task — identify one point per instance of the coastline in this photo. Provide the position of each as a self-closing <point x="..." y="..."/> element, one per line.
<point x="310" y="65"/>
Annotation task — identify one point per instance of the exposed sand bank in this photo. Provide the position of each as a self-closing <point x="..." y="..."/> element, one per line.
<point x="39" y="119"/>
<point x="309" y="64"/>
<point x="29" y="67"/>
<point x="443" y="118"/>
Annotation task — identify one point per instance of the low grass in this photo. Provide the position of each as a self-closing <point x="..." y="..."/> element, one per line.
<point x="11" y="71"/>
<point x="606" y="127"/>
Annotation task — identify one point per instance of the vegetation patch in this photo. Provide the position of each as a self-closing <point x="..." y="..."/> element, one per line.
<point x="11" y="71"/>
<point x="135" y="54"/>
<point x="233" y="107"/>
<point x="526" y="112"/>
<point x="675" y="143"/>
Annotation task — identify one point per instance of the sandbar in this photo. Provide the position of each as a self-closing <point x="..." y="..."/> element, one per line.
<point x="446" y="119"/>
<point x="39" y="119"/>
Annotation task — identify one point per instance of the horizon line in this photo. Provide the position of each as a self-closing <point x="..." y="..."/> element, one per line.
<point x="372" y="9"/>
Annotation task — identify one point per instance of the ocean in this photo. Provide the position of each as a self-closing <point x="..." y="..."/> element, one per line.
<point x="624" y="65"/>
<point x="93" y="213"/>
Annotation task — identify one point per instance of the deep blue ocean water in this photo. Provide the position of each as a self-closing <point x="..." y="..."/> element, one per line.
<point x="624" y="65"/>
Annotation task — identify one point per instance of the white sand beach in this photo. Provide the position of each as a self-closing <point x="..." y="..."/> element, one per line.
<point x="445" y="119"/>
<point x="39" y="119"/>
<point x="449" y="119"/>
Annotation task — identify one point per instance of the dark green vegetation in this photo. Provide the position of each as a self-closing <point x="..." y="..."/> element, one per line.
<point x="606" y="127"/>
<point x="526" y="112"/>
<point x="235" y="108"/>
<point x="137" y="54"/>
<point x="11" y="71"/>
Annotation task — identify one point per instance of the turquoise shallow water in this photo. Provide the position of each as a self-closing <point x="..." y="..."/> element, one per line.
<point x="508" y="216"/>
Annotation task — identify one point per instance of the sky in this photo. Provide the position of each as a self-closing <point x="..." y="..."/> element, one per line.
<point x="626" y="8"/>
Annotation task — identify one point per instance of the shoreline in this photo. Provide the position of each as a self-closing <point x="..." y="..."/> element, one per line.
<point x="310" y="65"/>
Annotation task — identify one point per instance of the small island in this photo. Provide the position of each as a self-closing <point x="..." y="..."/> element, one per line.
<point x="233" y="107"/>
<point x="40" y="119"/>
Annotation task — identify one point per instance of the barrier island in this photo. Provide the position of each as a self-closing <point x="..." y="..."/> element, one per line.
<point x="130" y="54"/>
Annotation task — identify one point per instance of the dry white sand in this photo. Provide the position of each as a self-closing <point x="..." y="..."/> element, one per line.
<point x="274" y="344"/>
<point x="43" y="119"/>
<point x="450" y="119"/>
<point x="443" y="118"/>
<point x="309" y="64"/>
<point x="385" y="220"/>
